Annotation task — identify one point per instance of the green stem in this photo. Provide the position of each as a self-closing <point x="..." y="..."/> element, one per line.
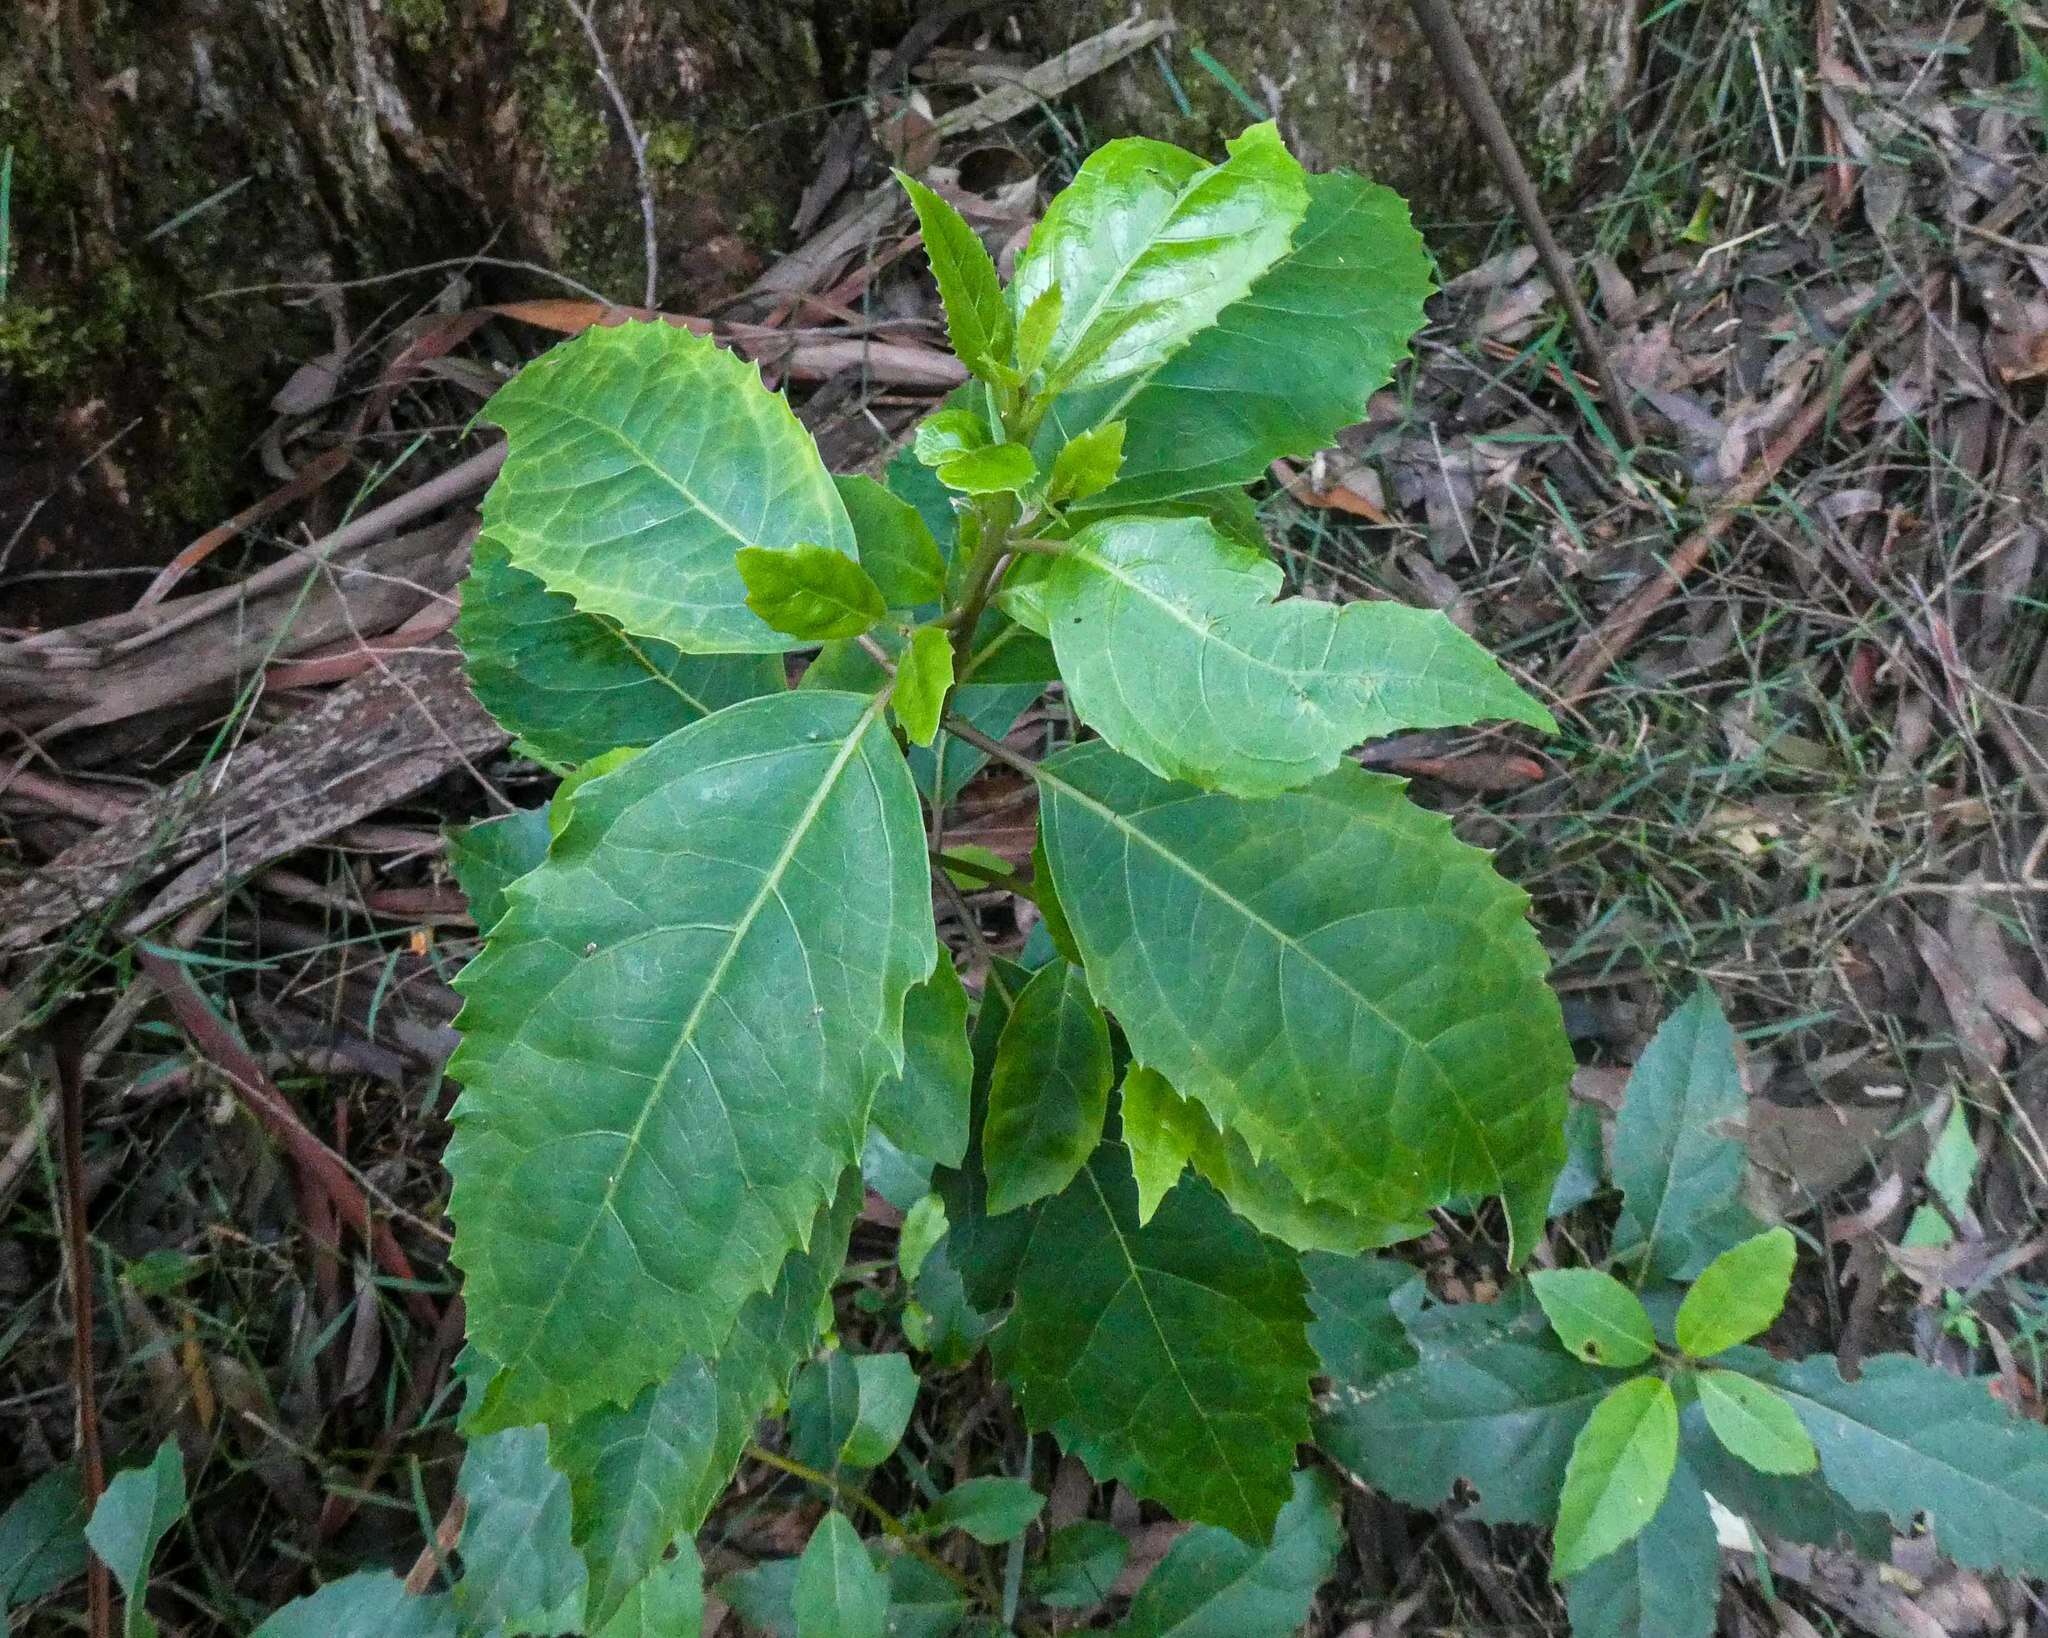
<point x="1009" y="880"/>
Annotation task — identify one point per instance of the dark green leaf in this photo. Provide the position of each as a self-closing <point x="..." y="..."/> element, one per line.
<point x="909" y="479"/>
<point x="1620" y="1468"/>
<point x="811" y="592"/>
<point x="764" y="1597"/>
<point x="369" y="1604"/>
<point x="839" y="1593"/>
<point x="991" y="1510"/>
<point x="520" y="1569"/>
<point x="923" y="675"/>
<point x="1049" y="1094"/>
<point x="1738" y="1294"/>
<point x="977" y="319"/>
<point x="1585" y="1166"/>
<point x="1666" y="1583"/>
<point x="922" y="1603"/>
<point x="668" y="1604"/>
<point x="135" y="1513"/>
<point x="671" y="1040"/>
<point x="1172" y="1355"/>
<point x="640" y="459"/>
<point x="42" y="1538"/>
<point x="1175" y="652"/>
<point x="1212" y="1585"/>
<point x="1081" y="1564"/>
<point x="490" y="855"/>
<point x="1799" y="1507"/>
<point x="1357" y="1332"/>
<point x="1595" y="1316"/>
<point x="1755" y="1424"/>
<point x="1385" y="1073"/>
<point x="572" y="686"/>
<point x="924" y="1110"/>
<point x="896" y="544"/>
<point x="851" y="1410"/>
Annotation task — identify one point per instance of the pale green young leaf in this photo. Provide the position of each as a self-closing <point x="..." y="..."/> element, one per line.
<point x="923" y="1110"/>
<point x="1678" y="1145"/>
<point x="990" y="1509"/>
<point x="42" y="1537"/>
<point x="671" y="1040"/>
<point x="1213" y="1585"/>
<point x="1620" y="1468"/>
<point x="1665" y="1583"/>
<point x="1594" y="1315"/>
<point x="639" y="459"/>
<point x="490" y="855"/>
<point x="647" y="1474"/>
<point x="1161" y="1129"/>
<point x="991" y="470"/>
<point x="1174" y="651"/>
<point x="1907" y="1438"/>
<point x="948" y="434"/>
<point x="1799" y="1507"/>
<point x="1951" y="1170"/>
<point x="134" y="1514"/>
<point x="812" y="592"/>
<point x="1049" y="1094"/>
<point x="924" y="674"/>
<point x="1755" y="1424"/>
<point x="521" y="1571"/>
<point x="1088" y="464"/>
<point x="1283" y="369"/>
<point x="1384" y="1073"/>
<point x="896" y="544"/>
<point x="977" y="318"/>
<point x="1036" y="326"/>
<point x="571" y="685"/>
<point x="839" y="1593"/>
<point x="1149" y="243"/>
<point x="368" y="1604"/>
<point x="1171" y="1355"/>
<point x="563" y="804"/>
<point x="924" y="1226"/>
<point x="1738" y="1294"/>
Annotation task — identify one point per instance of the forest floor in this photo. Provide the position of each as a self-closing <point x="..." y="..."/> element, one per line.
<point x="1806" y="764"/>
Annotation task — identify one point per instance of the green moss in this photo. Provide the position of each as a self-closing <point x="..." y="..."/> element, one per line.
<point x="670" y="143"/>
<point x="421" y="24"/>
<point x="574" y="137"/>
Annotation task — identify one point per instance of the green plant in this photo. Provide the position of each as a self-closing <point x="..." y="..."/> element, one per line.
<point x="1610" y="1407"/>
<point x="1275" y="1006"/>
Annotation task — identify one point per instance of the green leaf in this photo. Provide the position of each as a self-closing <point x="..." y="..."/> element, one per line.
<point x="1175" y="652"/>
<point x="670" y="1043"/>
<point x="1171" y="1355"/>
<point x="851" y="1410"/>
<point x="1282" y="370"/>
<point x="923" y="1111"/>
<point x="648" y="1474"/>
<point x="1799" y="1507"/>
<point x="977" y="320"/>
<point x="1951" y="1170"/>
<point x="1036" y="327"/>
<point x="1666" y="1583"/>
<point x="763" y="1597"/>
<point x="991" y="470"/>
<point x="369" y="1604"/>
<point x="520" y="1569"/>
<point x="924" y="1226"/>
<point x="839" y="1593"/>
<point x="668" y="1604"/>
<point x="1357" y="1332"/>
<point x="923" y="676"/>
<point x="1087" y="464"/>
<point x="991" y="1510"/>
<point x="922" y="1602"/>
<point x="42" y="1538"/>
<point x="572" y="686"/>
<point x="1491" y="1400"/>
<point x="1148" y="244"/>
<point x="1162" y="1131"/>
<point x="1621" y="1467"/>
<point x="639" y="459"/>
<point x="1212" y="1585"/>
<point x="948" y="434"/>
<point x="1738" y="1294"/>
<point x="1594" y="1315"/>
<point x="1385" y="1071"/>
<point x="1906" y="1438"/>
<point x="1049" y="1094"/>
<point x="135" y="1513"/>
<point x="490" y="855"/>
<point x="811" y="592"/>
<point x="1081" y="1564"/>
<point x="1678" y="1145"/>
<point x="896" y="544"/>
<point x="1755" y="1424"/>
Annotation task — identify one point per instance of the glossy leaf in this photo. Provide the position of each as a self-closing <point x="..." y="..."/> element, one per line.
<point x="1678" y="1155"/>
<point x="1755" y="1424"/>
<point x="42" y="1537"/>
<point x="839" y="1593"/>
<point x="1087" y="464"/>
<point x="134" y="1514"/>
<point x="670" y="1042"/>
<point x="977" y="318"/>
<point x="924" y="673"/>
<point x="812" y="592"/>
<point x="1175" y="652"/>
<point x="1620" y="1468"/>
<point x="1594" y="1315"/>
<point x="1171" y="1356"/>
<point x="1037" y="323"/>
<point x="368" y="1604"/>
<point x="520" y="1570"/>
<point x="640" y="458"/>
<point x="993" y="469"/>
<point x="897" y="547"/>
<point x="1665" y="1583"/>
<point x="1282" y="370"/>
<point x="923" y="1110"/>
<point x="1330" y="973"/>
<point x="1049" y="1094"/>
<point x="490" y="855"/>
<point x="1738" y="1294"/>
<point x="571" y="686"/>
<point x="1212" y="1585"/>
<point x="1148" y="244"/>
<point x="992" y="1510"/>
<point x="947" y="434"/>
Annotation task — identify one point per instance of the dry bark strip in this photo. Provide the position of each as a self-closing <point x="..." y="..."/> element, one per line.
<point x="371" y="742"/>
